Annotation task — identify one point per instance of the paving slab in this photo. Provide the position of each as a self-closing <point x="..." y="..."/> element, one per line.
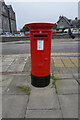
<point x="5" y="68"/>
<point x="76" y="75"/>
<point x="0" y="105"/>
<point x="13" y="64"/>
<point x="0" y="58"/>
<point x="0" y="90"/>
<point x="66" y="70"/>
<point x="0" y="63"/>
<point x="58" y="62"/>
<point x="18" y="80"/>
<point x="16" y="67"/>
<point x="43" y="114"/>
<point x="69" y="105"/>
<point x="64" y="76"/>
<point x="6" y="80"/>
<point x="6" y="63"/>
<point x="11" y="59"/>
<point x="51" y="66"/>
<point x="67" y="62"/>
<point x="0" y="77"/>
<point x="14" y="106"/>
<point x="27" y="67"/>
<point x="43" y="98"/>
<point x="1" y="83"/>
<point x="67" y="86"/>
<point x="78" y="80"/>
<point x="20" y="60"/>
<point x="0" y="68"/>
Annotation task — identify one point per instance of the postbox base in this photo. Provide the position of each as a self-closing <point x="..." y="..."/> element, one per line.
<point x="40" y="81"/>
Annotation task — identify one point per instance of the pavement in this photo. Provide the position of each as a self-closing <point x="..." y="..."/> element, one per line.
<point x="21" y="100"/>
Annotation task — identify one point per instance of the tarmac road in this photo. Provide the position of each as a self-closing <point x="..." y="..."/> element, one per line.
<point x="56" y="47"/>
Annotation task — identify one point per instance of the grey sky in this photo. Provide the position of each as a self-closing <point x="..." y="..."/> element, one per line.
<point x="43" y="11"/>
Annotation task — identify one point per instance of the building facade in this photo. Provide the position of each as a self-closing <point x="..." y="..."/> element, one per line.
<point x="79" y="10"/>
<point x="12" y="19"/>
<point x="64" y="22"/>
<point x="0" y="17"/>
<point x="8" y="18"/>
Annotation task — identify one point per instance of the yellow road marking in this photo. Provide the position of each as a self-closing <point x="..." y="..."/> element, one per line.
<point x="52" y="54"/>
<point x="12" y="55"/>
<point x="67" y="54"/>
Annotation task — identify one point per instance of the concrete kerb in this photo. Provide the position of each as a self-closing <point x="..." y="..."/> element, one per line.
<point x="43" y="114"/>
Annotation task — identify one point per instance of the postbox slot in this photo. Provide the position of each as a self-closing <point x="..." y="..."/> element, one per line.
<point x="40" y="35"/>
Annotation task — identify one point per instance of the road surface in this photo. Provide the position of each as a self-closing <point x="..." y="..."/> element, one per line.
<point x="23" y="48"/>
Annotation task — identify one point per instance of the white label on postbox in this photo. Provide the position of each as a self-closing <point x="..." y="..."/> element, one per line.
<point x="40" y="44"/>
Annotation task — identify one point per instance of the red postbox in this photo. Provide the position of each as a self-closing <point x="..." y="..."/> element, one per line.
<point x="40" y="41"/>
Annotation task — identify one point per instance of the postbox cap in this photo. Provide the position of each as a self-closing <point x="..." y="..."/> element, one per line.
<point x="40" y="25"/>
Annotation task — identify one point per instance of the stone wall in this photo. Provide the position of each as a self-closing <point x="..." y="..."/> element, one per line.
<point x="63" y="36"/>
<point x="12" y="39"/>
